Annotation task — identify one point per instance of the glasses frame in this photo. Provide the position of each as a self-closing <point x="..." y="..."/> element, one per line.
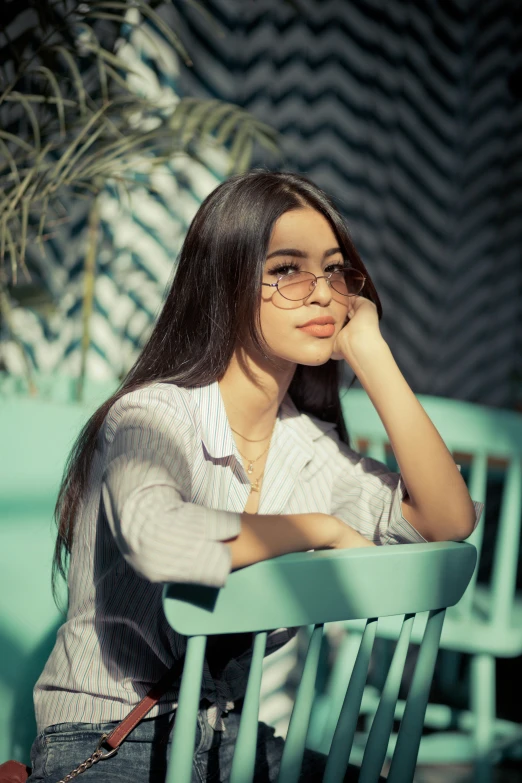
<point x="316" y="277"/>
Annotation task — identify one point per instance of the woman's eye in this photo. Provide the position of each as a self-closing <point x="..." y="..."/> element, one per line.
<point x="340" y="266"/>
<point x="284" y="269"/>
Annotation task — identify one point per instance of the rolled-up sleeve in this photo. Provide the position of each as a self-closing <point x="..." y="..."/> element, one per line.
<point x="368" y="497"/>
<point x="146" y="497"/>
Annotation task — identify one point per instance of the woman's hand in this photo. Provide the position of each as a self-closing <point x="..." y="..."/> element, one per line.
<point x="362" y="322"/>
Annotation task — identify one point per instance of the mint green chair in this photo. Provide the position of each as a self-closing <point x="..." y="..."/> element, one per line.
<point x="311" y="589"/>
<point x="36" y="437"/>
<point x="487" y="622"/>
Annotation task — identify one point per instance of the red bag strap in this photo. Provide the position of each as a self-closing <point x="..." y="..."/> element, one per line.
<point x="149" y="701"/>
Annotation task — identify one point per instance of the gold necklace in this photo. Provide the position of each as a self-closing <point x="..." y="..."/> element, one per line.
<point x="251" y="462"/>
<point x="249" y="440"/>
<point x="254" y="485"/>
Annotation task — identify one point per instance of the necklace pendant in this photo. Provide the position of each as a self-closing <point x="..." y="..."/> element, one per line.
<point x="255" y="486"/>
<point x="250" y="468"/>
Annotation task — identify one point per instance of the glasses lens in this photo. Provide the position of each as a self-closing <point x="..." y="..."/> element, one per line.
<point x="347" y="283"/>
<point x="296" y="286"/>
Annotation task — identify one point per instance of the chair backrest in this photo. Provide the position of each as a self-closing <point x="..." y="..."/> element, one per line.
<point x="35" y="439"/>
<point x="311" y="589"/>
<point x="491" y="437"/>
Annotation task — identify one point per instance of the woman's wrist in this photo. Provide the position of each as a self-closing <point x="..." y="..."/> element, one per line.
<point x="363" y="350"/>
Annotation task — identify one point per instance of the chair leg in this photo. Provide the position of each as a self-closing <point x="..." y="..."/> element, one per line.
<point x="483" y="706"/>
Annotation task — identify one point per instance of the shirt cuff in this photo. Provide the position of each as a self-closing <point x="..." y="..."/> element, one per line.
<point x="212" y="565"/>
<point x="400" y="531"/>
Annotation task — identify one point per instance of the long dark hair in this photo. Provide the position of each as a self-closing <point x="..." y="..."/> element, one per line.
<point x="213" y="300"/>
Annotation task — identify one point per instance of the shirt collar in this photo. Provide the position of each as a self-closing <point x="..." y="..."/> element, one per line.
<point x="215" y="429"/>
<point x="217" y="435"/>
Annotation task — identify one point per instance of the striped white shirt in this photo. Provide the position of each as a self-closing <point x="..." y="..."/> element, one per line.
<point x="166" y="489"/>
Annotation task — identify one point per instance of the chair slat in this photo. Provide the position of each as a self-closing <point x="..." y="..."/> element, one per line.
<point x="296" y="737"/>
<point x="245" y="753"/>
<point x="322" y="727"/>
<point x="408" y="740"/>
<point x="504" y="576"/>
<point x="477" y="489"/>
<point x="184" y="736"/>
<point x="377" y="744"/>
<point x="340" y="750"/>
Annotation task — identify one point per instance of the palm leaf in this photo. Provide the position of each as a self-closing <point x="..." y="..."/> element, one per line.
<point x="77" y="78"/>
<point x="4" y="149"/>
<point x="147" y="12"/>
<point x="53" y="81"/>
<point x="21" y="98"/>
<point x="88" y="126"/>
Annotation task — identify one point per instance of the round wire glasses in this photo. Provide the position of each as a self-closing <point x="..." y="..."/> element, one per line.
<point x="299" y="285"/>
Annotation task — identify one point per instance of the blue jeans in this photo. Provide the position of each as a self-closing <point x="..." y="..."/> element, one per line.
<point x="143" y="756"/>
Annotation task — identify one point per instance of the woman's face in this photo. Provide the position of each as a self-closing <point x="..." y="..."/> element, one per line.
<point x="302" y="240"/>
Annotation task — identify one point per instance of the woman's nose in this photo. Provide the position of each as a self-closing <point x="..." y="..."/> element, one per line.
<point x="321" y="294"/>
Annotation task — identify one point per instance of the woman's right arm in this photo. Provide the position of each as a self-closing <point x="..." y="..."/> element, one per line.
<point x="265" y="536"/>
<point x="165" y="538"/>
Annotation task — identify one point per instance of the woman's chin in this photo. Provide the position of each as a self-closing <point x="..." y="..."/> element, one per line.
<point x="316" y="358"/>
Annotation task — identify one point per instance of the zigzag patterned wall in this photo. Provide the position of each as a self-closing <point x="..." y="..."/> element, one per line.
<point x="403" y="112"/>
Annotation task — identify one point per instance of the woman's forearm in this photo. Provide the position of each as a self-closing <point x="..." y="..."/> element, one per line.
<point x="265" y="536"/>
<point x="439" y="505"/>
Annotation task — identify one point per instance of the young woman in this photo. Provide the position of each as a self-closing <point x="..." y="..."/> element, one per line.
<point x="225" y="445"/>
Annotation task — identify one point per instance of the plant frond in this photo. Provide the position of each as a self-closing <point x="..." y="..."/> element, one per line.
<point x="244" y="156"/>
<point x="76" y="157"/>
<point x="23" y="235"/>
<point x="10" y="204"/>
<point x="60" y="105"/>
<point x="193" y="120"/>
<point x="17" y="140"/>
<point x="115" y="76"/>
<point x="41" y="222"/>
<point x="146" y="11"/>
<point x="96" y="48"/>
<point x="3" y="239"/>
<point x="215" y="117"/>
<point x="32" y="117"/>
<point x="90" y="128"/>
<point x="14" y="97"/>
<point x="227" y="127"/>
<point x="77" y="77"/>
<point x="12" y="163"/>
<point x="70" y="150"/>
<point x="241" y="139"/>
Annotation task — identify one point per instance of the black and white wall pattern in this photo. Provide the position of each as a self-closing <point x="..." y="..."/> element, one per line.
<point x="409" y="113"/>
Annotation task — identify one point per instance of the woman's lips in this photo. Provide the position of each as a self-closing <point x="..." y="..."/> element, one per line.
<point x="318" y="330"/>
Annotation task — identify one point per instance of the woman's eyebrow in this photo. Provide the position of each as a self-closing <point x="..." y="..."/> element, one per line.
<point x="292" y="251"/>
